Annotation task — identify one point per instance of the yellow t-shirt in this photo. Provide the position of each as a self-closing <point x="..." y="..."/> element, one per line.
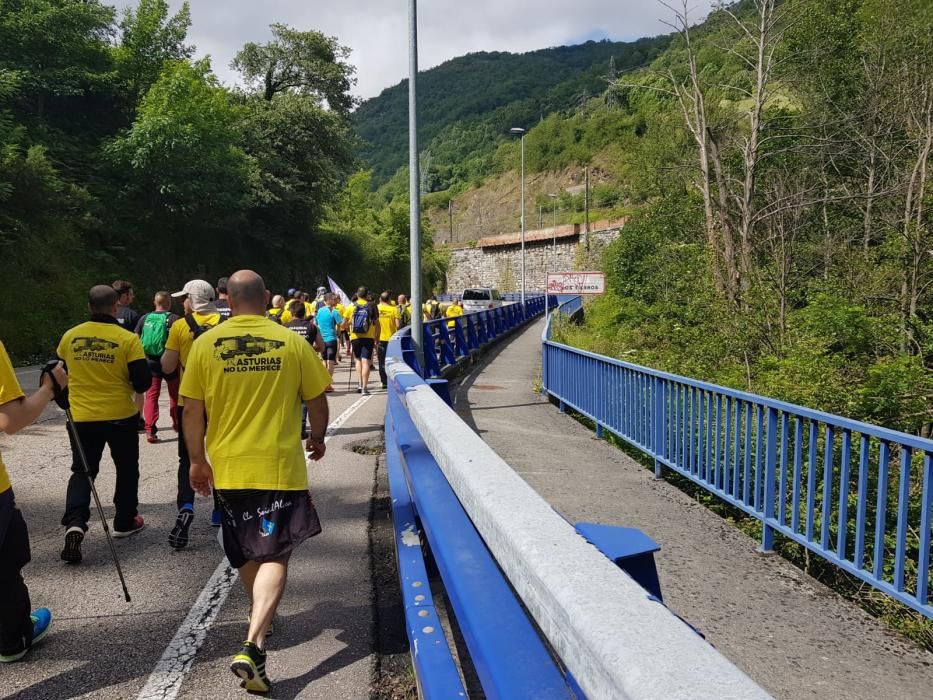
<point x="252" y="375"/>
<point x="452" y="312"/>
<point x="180" y="338"/>
<point x="426" y="309"/>
<point x="404" y="314"/>
<point x="10" y="390"/>
<point x="388" y="321"/>
<point x="373" y="331"/>
<point x="98" y="354"/>
<point x="287" y="315"/>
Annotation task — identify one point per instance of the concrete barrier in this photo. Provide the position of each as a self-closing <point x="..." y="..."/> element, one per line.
<point x="616" y="640"/>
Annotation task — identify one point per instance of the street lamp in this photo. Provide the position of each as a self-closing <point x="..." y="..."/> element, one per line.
<point x="554" y="209"/>
<point x="414" y="187"/>
<point x="518" y="131"/>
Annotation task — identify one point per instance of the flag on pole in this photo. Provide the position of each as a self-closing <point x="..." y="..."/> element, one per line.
<point x="335" y="288"/>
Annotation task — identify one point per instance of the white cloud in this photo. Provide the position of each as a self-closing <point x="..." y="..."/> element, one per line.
<point x="377" y="30"/>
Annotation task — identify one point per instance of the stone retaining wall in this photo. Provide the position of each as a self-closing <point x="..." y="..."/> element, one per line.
<point x="501" y="266"/>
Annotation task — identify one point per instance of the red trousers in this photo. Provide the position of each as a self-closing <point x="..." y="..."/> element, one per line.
<point x="151" y="406"/>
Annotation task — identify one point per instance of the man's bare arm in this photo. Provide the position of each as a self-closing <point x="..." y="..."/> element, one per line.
<point x="318" y="416"/>
<point x="169" y="361"/>
<point x="194" y="425"/>
<point x="17" y="414"/>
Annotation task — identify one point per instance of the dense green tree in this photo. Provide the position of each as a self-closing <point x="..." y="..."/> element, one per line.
<point x="150" y="38"/>
<point x="60" y="49"/>
<point x="305" y="63"/>
<point x="181" y="154"/>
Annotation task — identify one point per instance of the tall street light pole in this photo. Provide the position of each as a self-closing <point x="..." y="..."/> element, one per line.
<point x="414" y="185"/>
<point x="519" y="131"/>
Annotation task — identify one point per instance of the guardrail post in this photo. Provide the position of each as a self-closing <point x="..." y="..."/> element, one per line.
<point x="767" y="533"/>
<point x="461" y="346"/>
<point x="544" y="368"/>
<point x="447" y="351"/>
<point x="472" y="336"/>
<point x="411" y="359"/>
<point x="657" y="386"/>
<point x="432" y="367"/>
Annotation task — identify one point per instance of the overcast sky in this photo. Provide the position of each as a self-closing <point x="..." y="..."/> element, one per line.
<point x="377" y="30"/>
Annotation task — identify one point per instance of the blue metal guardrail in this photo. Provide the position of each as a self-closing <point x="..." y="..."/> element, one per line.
<point x="838" y="487"/>
<point x="448" y="339"/>
<point x="509" y="656"/>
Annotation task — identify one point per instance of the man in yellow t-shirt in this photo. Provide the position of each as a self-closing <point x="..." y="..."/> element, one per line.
<point x="19" y="629"/>
<point x="106" y="365"/>
<point x="404" y="311"/>
<point x="453" y="311"/>
<point x="347" y="313"/>
<point x="246" y="375"/>
<point x="365" y="330"/>
<point x="388" y="324"/>
<point x="200" y="315"/>
<point x="278" y="308"/>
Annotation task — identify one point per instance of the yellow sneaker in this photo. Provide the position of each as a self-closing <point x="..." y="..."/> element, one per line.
<point x="250" y="665"/>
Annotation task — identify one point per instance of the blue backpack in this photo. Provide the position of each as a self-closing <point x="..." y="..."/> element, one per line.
<point x="361" y="319"/>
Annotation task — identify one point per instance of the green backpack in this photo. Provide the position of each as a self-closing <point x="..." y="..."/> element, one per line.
<point x="155" y="333"/>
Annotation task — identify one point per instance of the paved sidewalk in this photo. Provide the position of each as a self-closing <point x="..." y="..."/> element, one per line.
<point x="791" y="634"/>
<point x="102" y="647"/>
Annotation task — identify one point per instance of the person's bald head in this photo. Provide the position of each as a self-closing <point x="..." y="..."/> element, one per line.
<point x="102" y="299"/>
<point x="247" y="293"/>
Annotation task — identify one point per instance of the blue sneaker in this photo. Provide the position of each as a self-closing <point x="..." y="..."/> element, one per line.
<point x="41" y="622"/>
<point x="215" y="518"/>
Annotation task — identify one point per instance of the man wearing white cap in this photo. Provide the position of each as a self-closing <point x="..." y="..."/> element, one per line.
<point x="200" y="315"/>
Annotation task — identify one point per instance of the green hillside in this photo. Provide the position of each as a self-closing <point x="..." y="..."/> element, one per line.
<point x="472" y="101"/>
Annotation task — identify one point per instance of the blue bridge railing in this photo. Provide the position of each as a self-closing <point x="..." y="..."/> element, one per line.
<point x="510" y="658"/>
<point x="858" y="495"/>
<point x="448" y="339"/>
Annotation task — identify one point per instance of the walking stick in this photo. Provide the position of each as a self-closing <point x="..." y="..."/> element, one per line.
<point x="62" y="400"/>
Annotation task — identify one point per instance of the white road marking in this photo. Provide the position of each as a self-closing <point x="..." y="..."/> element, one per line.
<point x="166" y="679"/>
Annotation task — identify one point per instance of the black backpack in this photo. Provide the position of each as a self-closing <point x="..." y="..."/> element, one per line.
<point x="198" y="330"/>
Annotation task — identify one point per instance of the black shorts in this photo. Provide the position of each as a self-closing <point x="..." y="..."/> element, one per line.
<point x="330" y="351"/>
<point x="262" y="526"/>
<point x="363" y="348"/>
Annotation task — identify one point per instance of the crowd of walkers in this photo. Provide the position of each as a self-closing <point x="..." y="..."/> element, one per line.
<point x="235" y="360"/>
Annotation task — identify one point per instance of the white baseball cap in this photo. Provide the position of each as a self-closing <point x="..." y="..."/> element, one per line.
<point x="197" y="290"/>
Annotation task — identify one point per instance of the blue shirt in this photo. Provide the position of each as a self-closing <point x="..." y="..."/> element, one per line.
<point x="327" y="321"/>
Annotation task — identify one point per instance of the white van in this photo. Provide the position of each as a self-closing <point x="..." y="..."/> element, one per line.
<point x="480" y="299"/>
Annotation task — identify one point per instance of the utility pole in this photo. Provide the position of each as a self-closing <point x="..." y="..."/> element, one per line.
<point x="586" y="207"/>
<point x="450" y="217"/>
<point x="540" y="216"/>
<point x="414" y="186"/>
<point x="554" y="227"/>
<point x="611" y="100"/>
<point x="519" y="131"/>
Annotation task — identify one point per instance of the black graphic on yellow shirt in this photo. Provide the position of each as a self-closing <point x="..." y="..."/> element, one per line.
<point x="244" y="353"/>
<point x="92" y="349"/>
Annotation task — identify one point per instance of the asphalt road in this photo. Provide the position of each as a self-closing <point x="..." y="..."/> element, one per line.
<point x="103" y="647"/>
<point x="788" y="632"/>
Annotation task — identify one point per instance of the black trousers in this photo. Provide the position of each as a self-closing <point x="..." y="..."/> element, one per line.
<point x="15" y="623"/>
<point x="185" y="492"/>
<point x="383" y="346"/>
<point x="122" y="438"/>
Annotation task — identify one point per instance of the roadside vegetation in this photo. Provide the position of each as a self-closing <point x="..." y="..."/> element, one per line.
<point x="123" y="157"/>
<point x="782" y="235"/>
